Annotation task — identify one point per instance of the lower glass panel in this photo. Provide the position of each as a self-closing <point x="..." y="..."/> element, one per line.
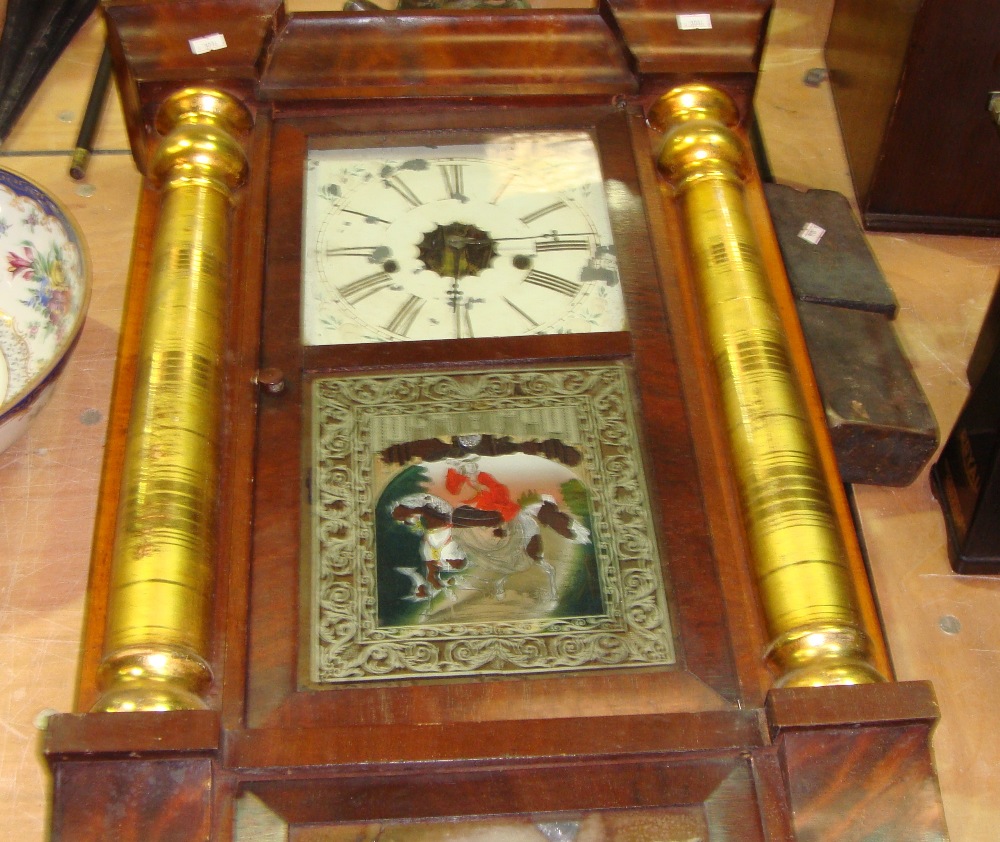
<point x="474" y="523"/>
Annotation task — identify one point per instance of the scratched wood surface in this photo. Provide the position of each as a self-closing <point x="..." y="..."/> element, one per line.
<point x="940" y="626"/>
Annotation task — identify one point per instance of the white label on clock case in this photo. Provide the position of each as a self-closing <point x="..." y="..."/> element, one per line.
<point x="503" y="238"/>
<point x="694" y="21"/>
<point x="207" y="43"/>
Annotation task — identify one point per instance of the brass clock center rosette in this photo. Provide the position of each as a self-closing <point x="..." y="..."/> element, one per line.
<point x="457" y="250"/>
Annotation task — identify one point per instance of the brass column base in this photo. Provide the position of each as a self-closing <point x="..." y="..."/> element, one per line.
<point x="153" y="678"/>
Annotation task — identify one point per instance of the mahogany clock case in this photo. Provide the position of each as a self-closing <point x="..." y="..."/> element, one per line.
<point x="693" y="743"/>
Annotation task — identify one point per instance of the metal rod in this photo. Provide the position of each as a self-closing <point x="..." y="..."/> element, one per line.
<point x="91" y="118"/>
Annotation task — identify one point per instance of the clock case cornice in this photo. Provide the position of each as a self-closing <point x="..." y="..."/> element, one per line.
<point x="282" y="59"/>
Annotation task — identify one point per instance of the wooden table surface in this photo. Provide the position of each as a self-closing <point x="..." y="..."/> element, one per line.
<point x="940" y="626"/>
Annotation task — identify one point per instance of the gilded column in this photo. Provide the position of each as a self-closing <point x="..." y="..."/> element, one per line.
<point x="158" y="642"/>
<point x="800" y="558"/>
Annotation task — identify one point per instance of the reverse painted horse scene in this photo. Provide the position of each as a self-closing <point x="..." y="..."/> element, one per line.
<point x="475" y="538"/>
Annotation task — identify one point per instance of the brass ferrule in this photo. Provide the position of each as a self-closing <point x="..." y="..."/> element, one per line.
<point x="799" y="554"/>
<point x="157" y="639"/>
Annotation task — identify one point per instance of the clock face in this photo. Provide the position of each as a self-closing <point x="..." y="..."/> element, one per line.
<point x="507" y="237"/>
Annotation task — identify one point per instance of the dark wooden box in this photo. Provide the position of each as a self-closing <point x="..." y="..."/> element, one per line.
<point x="911" y="80"/>
<point x="966" y="477"/>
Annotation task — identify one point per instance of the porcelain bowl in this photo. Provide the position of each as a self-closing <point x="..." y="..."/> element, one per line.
<point x="44" y="293"/>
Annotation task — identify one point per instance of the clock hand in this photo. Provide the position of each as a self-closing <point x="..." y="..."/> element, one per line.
<point x="554" y="236"/>
<point x="367" y="216"/>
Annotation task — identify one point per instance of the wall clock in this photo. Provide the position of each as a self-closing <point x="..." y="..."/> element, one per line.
<point x="467" y="478"/>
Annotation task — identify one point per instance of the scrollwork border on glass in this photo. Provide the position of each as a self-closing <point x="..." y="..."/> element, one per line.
<point x="355" y="418"/>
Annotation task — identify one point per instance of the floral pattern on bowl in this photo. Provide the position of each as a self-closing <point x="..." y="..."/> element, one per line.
<point x="44" y="292"/>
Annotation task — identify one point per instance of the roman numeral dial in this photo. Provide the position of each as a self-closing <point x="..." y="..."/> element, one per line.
<point x="507" y="237"/>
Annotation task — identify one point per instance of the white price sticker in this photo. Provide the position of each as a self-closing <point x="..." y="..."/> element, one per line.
<point x="208" y="43"/>
<point x="696" y="21"/>
<point x="812" y="233"/>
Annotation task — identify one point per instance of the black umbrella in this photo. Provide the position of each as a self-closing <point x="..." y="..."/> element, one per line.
<point x="35" y="34"/>
<point x="18" y="24"/>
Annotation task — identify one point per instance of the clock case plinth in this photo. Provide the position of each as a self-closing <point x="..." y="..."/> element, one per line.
<point x="705" y="743"/>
